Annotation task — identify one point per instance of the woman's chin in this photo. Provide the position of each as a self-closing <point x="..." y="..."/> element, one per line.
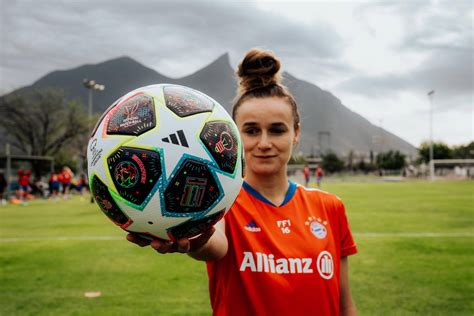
<point x="264" y="171"/>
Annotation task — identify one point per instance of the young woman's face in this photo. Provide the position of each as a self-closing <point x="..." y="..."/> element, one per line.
<point x="268" y="134"/>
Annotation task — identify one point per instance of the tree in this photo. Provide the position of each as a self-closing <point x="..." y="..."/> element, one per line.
<point x="332" y="163"/>
<point x="464" y="151"/>
<point x="42" y="123"/>
<point x="391" y="160"/>
<point x="350" y="160"/>
<point x="440" y="151"/>
<point x="365" y="167"/>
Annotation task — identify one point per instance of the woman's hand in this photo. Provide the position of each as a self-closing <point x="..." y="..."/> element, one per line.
<point x="209" y="246"/>
<point x="184" y="245"/>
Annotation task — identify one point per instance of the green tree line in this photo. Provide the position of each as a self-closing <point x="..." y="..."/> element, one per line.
<point x="45" y="123"/>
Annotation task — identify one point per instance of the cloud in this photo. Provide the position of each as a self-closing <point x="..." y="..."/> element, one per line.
<point x="174" y="37"/>
<point x="445" y="70"/>
<point x="366" y="53"/>
<point x="442" y="35"/>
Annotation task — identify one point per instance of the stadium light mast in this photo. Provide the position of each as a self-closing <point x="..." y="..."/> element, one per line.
<point x="92" y="85"/>
<point x="431" y="97"/>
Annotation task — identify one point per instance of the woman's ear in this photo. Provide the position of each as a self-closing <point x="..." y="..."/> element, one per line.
<point x="296" y="138"/>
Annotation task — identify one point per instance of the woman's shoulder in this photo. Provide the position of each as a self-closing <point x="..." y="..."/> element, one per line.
<point x="323" y="196"/>
<point x="315" y="191"/>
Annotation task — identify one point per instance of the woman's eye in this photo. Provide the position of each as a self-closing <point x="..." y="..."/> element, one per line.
<point x="277" y="130"/>
<point x="251" y="131"/>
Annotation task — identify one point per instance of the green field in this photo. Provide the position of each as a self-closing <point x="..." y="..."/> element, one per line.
<point x="415" y="239"/>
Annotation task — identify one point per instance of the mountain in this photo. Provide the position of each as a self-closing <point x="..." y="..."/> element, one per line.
<point x="326" y="123"/>
<point x="119" y="76"/>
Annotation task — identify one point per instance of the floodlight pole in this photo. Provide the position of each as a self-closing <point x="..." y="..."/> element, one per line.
<point x="431" y="97"/>
<point x="92" y="85"/>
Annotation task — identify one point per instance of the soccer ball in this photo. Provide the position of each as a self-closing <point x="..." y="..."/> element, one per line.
<point x="165" y="161"/>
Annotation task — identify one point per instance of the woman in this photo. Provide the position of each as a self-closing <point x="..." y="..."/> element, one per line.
<point x="281" y="249"/>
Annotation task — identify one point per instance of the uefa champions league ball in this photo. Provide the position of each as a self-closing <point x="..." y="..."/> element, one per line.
<point x="165" y="161"/>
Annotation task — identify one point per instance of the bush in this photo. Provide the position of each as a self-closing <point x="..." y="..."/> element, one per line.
<point x="391" y="160"/>
<point x="332" y="163"/>
<point x="440" y="151"/>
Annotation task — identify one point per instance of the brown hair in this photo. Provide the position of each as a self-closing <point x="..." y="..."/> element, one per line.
<point x="259" y="77"/>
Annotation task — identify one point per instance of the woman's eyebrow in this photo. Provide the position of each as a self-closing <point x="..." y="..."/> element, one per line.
<point x="251" y="124"/>
<point x="278" y="124"/>
<point x="254" y="124"/>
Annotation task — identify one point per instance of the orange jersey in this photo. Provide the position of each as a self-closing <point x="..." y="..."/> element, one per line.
<point x="281" y="260"/>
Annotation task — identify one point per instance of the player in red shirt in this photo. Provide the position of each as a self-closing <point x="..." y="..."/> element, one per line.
<point x="24" y="183"/>
<point x="65" y="178"/>
<point x="306" y="173"/>
<point x="281" y="249"/>
<point x="319" y="175"/>
<point x="54" y="185"/>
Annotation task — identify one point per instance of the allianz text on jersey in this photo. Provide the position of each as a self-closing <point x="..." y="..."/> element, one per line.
<point x="267" y="263"/>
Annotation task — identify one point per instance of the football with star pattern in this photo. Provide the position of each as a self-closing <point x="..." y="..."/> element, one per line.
<point x="165" y="161"/>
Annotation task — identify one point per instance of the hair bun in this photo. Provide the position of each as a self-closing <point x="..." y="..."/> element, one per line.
<point x="259" y="69"/>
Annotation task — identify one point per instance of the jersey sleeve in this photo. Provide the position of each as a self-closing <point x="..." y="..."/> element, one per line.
<point x="348" y="246"/>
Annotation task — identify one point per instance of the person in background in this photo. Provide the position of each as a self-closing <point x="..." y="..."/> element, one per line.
<point x="24" y="184"/>
<point x="319" y="175"/>
<point x="82" y="185"/>
<point x="306" y="173"/>
<point x="3" y="187"/>
<point x="66" y="177"/>
<point x="282" y="249"/>
<point x="54" y="185"/>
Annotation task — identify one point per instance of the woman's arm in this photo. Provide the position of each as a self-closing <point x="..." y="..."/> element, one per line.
<point x="210" y="245"/>
<point x="215" y="248"/>
<point x="347" y="304"/>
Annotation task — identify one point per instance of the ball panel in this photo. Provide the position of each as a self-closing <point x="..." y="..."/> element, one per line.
<point x="148" y="220"/>
<point x="99" y="147"/>
<point x="184" y="101"/>
<point x="192" y="189"/>
<point x="134" y="172"/>
<point x="231" y="188"/>
<point x="222" y="143"/>
<point x="94" y="130"/>
<point x="133" y="116"/>
<point x="193" y="228"/>
<point x="107" y="204"/>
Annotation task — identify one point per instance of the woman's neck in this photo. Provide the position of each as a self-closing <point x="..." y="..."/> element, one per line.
<point x="273" y="188"/>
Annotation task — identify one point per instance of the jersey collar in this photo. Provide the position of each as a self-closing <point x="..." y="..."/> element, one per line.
<point x="289" y="194"/>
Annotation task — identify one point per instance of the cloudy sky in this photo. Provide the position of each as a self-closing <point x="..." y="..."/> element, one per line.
<point x="380" y="58"/>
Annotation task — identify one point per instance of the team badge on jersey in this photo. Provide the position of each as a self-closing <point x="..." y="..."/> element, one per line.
<point x="317" y="227"/>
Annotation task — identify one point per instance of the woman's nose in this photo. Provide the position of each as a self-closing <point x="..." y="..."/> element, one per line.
<point x="264" y="142"/>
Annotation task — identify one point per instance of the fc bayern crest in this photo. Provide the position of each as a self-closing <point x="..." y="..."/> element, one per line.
<point x="317" y="227"/>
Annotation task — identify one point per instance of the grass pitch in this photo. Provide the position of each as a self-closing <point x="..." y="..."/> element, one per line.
<point x="415" y="243"/>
